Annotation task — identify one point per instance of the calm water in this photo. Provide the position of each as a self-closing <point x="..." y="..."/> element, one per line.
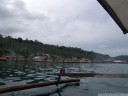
<point x="17" y="73"/>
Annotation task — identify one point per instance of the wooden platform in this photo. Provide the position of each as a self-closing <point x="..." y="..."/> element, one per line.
<point x="107" y="75"/>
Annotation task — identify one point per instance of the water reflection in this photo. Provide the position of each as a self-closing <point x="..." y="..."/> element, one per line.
<point x="36" y="71"/>
<point x="17" y="73"/>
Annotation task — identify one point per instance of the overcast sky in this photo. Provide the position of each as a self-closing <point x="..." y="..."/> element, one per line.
<point x="75" y="23"/>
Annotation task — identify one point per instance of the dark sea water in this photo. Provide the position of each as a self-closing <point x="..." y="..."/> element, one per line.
<point x="18" y="73"/>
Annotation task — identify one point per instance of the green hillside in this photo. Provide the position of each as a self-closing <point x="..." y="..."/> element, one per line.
<point x="27" y="48"/>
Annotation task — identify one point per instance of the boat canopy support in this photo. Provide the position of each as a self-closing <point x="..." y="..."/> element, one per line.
<point x="117" y="9"/>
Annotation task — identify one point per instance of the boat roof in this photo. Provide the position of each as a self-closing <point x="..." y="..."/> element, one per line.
<point x="117" y="9"/>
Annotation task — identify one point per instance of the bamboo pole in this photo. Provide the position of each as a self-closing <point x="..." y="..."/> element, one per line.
<point x="108" y="75"/>
<point x="36" y="85"/>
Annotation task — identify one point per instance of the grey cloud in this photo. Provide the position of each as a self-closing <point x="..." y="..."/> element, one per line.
<point x="8" y="30"/>
<point x="9" y="9"/>
<point x="4" y="13"/>
<point x="14" y="17"/>
<point x="9" y="18"/>
<point x="29" y="16"/>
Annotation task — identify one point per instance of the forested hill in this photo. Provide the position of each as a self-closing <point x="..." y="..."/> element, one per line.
<point x="121" y="57"/>
<point x="27" y="48"/>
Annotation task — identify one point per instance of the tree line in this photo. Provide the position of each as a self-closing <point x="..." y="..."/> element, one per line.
<point x="28" y="48"/>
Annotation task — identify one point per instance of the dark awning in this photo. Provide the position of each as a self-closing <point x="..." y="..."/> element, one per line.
<point x="118" y="10"/>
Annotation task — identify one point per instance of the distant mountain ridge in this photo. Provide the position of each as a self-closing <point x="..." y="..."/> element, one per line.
<point x="27" y="48"/>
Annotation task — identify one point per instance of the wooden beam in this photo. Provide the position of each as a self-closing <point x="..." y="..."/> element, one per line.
<point x="95" y="75"/>
<point x="35" y="85"/>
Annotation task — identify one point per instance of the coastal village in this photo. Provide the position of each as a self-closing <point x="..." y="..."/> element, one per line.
<point x="54" y="58"/>
<point x="17" y="49"/>
<point x="44" y="58"/>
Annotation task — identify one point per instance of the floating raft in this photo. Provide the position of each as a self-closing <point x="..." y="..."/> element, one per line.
<point x="36" y="85"/>
<point x="92" y="74"/>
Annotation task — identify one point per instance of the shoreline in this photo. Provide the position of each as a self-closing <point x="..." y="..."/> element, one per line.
<point x="62" y="62"/>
